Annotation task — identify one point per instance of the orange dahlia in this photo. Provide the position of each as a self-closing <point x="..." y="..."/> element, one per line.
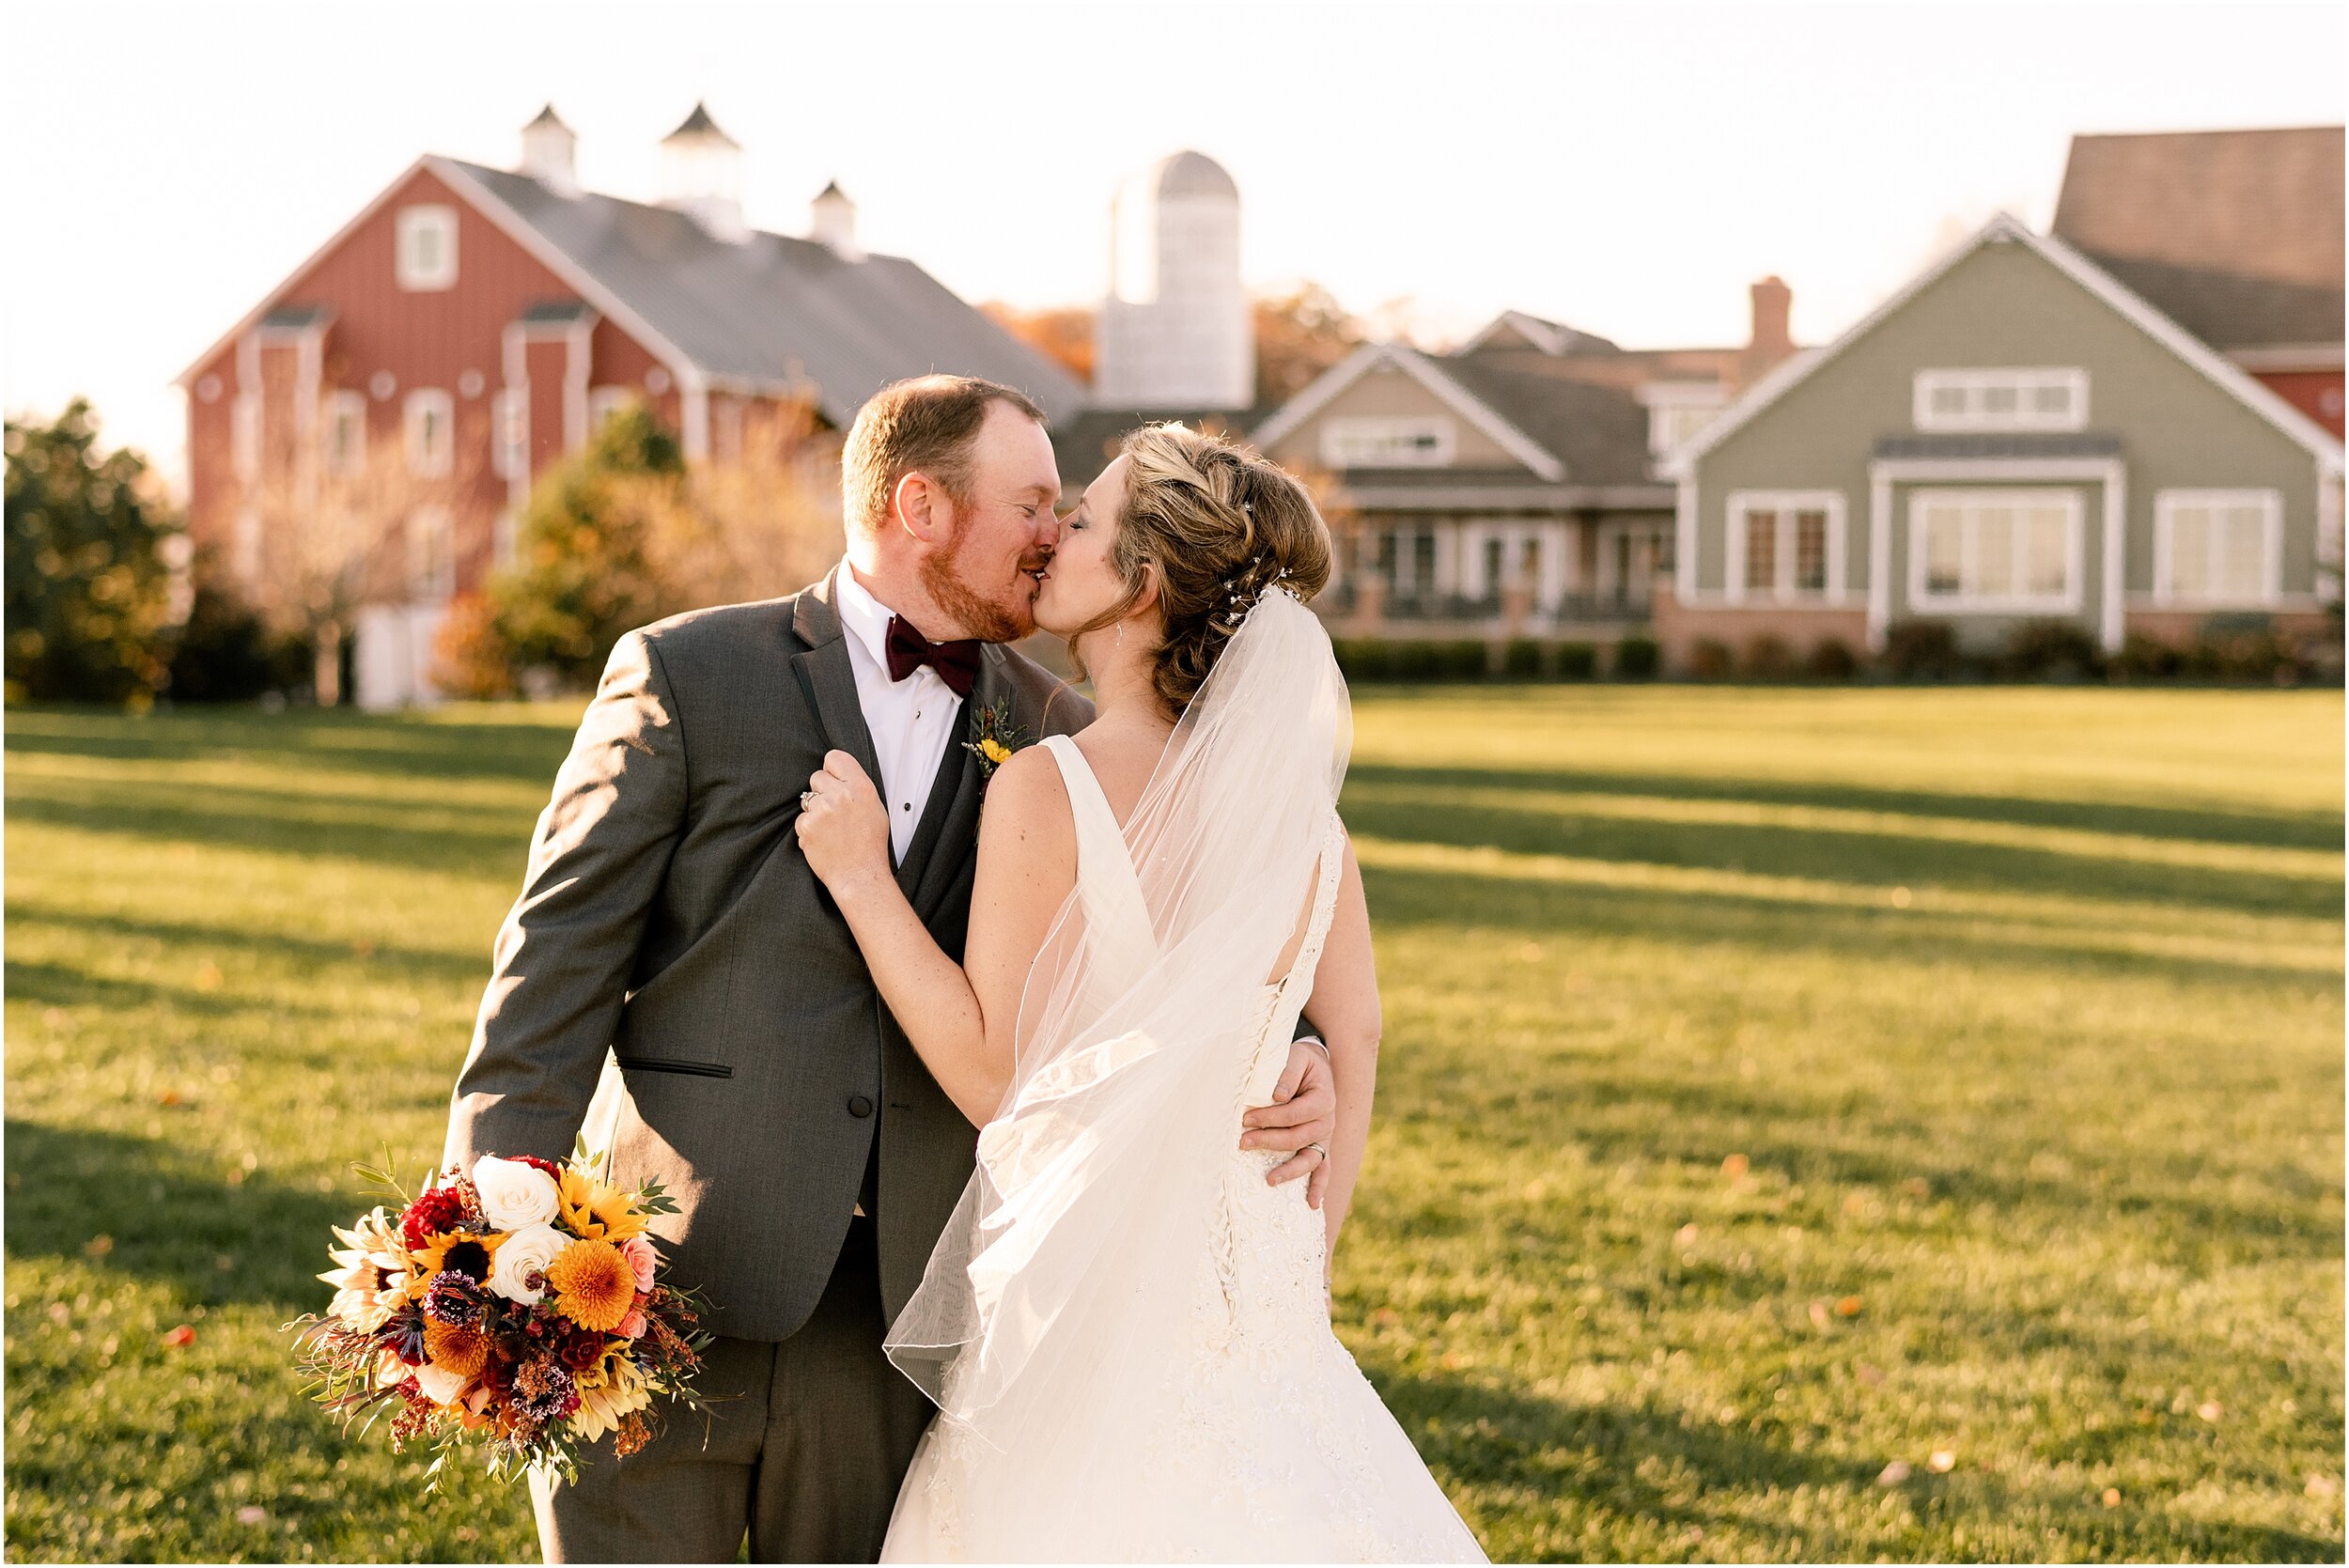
<point x="594" y="1285"/>
<point x="462" y="1351"/>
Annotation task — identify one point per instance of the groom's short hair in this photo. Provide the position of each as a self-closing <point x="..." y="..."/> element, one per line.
<point x="924" y="424"/>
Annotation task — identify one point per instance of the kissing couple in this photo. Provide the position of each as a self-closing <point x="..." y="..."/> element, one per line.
<point x="1010" y="1145"/>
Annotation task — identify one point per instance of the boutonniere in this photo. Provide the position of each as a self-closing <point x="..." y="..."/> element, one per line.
<point x="996" y="738"/>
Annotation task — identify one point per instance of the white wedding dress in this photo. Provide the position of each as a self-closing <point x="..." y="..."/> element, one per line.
<point x="1127" y="1326"/>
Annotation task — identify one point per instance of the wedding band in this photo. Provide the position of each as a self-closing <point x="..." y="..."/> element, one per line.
<point x="806" y="795"/>
<point x="1319" y="1150"/>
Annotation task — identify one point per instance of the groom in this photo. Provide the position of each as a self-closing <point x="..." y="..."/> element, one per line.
<point x="675" y="983"/>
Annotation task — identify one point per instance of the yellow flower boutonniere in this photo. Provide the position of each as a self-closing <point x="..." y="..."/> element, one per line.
<point x="996" y="738"/>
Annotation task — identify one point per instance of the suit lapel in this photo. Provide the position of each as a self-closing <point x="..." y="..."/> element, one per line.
<point x="949" y="834"/>
<point x="826" y="677"/>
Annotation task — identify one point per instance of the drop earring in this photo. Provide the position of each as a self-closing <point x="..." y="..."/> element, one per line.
<point x="1121" y="634"/>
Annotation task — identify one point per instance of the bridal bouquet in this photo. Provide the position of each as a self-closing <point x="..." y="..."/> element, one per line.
<point x="517" y="1306"/>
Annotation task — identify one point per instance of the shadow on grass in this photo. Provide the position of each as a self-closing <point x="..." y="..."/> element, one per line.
<point x="1884" y="860"/>
<point x="1681" y="918"/>
<point x="277" y="823"/>
<point x="401" y="746"/>
<point x="171" y="1216"/>
<point x="391" y="958"/>
<point x="2280" y="829"/>
<point x="1602" y="1455"/>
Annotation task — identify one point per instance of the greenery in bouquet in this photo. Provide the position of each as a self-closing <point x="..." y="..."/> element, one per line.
<point x="515" y="1307"/>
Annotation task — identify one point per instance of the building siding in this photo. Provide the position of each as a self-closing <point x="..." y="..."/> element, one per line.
<point x="2005" y="305"/>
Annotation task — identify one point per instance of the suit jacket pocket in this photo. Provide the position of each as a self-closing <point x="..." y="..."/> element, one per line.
<point x="671" y="1064"/>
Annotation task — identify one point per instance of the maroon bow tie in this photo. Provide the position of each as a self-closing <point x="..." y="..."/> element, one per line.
<point x="956" y="662"/>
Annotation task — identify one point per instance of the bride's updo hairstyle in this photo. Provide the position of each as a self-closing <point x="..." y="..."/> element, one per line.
<point x="1222" y="525"/>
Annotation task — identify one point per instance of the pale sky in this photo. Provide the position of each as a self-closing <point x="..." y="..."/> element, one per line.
<point x="1628" y="168"/>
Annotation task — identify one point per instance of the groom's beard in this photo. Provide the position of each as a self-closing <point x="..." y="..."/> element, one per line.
<point x="988" y="620"/>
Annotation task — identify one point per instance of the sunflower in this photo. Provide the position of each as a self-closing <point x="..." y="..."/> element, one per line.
<point x="596" y="1210"/>
<point x="620" y="1393"/>
<point x="593" y="1284"/>
<point x="460" y="1249"/>
<point x="462" y="1351"/>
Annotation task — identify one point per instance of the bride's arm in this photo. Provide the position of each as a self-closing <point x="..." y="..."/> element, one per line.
<point x="1344" y="1007"/>
<point x="960" y="1018"/>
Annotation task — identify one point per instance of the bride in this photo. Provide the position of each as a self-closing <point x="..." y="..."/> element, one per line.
<point x="1125" y="1328"/>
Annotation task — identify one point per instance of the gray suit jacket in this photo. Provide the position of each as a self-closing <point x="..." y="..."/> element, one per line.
<point x="673" y="960"/>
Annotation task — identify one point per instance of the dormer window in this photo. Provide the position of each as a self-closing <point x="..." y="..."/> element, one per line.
<point x="424" y="249"/>
<point x="1388" y="442"/>
<point x="2035" y="399"/>
<point x="431" y="433"/>
<point x="1678" y="410"/>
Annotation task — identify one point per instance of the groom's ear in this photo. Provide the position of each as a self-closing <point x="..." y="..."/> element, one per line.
<point x="920" y="506"/>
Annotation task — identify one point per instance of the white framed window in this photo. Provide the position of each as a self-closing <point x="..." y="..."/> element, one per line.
<point x="432" y="555"/>
<point x="2047" y="397"/>
<point x="244" y="546"/>
<point x="605" y="401"/>
<point x="423" y="250"/>
<point x="245" y="436"/>
<point x="1995" y="549"/>
<point x="509" y="432"/>
<point x="346" y="431"/>
<point x="1387" y="441"/>
<point x="2219" y="548"/>
<point x="1785" y="546"/>
<point x="1678" y="410"/>
<point x="431" y="432"/>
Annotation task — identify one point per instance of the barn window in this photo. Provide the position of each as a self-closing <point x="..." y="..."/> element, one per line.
<point x="431" y="434"/>
<point x="424" y="255"/>
<point x="346" y="433"/>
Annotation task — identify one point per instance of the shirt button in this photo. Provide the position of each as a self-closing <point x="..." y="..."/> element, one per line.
<point x="859" y="1106"/>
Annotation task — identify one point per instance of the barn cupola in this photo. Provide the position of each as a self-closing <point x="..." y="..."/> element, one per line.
<point x="549" y="153"/>
<point x="832" y="223"/>
<point x="701" y="174"/>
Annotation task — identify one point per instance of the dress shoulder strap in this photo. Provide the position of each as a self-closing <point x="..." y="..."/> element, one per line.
<point x="1105" y="867"/>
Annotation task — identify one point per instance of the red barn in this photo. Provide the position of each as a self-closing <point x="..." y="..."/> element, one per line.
<point x="377" y="419"/>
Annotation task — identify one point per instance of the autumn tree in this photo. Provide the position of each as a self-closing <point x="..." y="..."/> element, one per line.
<point x="88" y="575"/>
<point x="1300" y="332"/>
<point x="1061" y="333"/>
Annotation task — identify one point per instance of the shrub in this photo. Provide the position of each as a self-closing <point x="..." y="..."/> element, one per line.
<point x="226" y="653"/>
<point x="1522" y="660"/>
<point x="1830" y="658"/>
<point x="1576" y="661"/>
<point x="469" y="657"/>
<point x="88" y="590"/>
<point x="1636" y="658"/>
<point x="1375" y="658"/>
<point x="1768" y="658"/>
<point x="2143" y="658"/>
<point x="1922" y="650"/>
<point x="1709" y="659"/>
<point x="2058" y="651"/>
<point x="1363" y="659"/>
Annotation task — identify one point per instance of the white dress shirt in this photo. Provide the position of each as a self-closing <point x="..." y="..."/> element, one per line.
<point x="911" y="720"/>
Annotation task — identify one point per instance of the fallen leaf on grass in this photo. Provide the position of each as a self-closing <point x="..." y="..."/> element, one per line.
<point x="252" y="1513"/>
<point x="1893" y="1474"/>
<point x="1917" y="1187"/>
<point x="1736" y="1166"/>
<point x="2321" y="1484"/>
<point x="2112" y="1496"/>
<point x="180" y="1338"/>
<point x="1686" y="1236"/>
<point x="2210" y="1409"/>
<point x="1848" y="1307"/>
<point x="1818" y="1315"/>
<point x="208" y="977"/>
<point x="169" y="1097"/>
<point x="1943" y="1462"/>
<point x="1872" y="1376"/>
<point x="98" y="1247"/>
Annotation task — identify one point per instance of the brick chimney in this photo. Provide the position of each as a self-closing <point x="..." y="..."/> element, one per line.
<point x="1770" y="341"/>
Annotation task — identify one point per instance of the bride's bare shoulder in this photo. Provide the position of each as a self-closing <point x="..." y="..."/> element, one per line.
<point x="1026" y="807"/>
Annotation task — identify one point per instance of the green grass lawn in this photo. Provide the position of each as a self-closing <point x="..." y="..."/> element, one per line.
<point x="1778" y="1085"/>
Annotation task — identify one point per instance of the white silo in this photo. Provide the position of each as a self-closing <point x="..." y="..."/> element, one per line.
<point x="1176" y="329"/>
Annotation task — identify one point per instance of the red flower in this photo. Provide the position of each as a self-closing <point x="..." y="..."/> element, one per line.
<point x="537" y="1164"/>
<point x="435" y="1211"/>
<point x="582" y="1351"/>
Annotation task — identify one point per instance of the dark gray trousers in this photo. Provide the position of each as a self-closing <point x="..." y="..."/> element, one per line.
<point x="805" y="1462"/>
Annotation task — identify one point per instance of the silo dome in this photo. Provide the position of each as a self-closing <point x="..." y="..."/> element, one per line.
<point x="1194" y="174"/>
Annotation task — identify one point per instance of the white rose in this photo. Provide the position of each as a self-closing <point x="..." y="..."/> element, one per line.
<point x="526" y="1252"/>
<point x="440" y="1384"/>
<point x="513" y="1194"/>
